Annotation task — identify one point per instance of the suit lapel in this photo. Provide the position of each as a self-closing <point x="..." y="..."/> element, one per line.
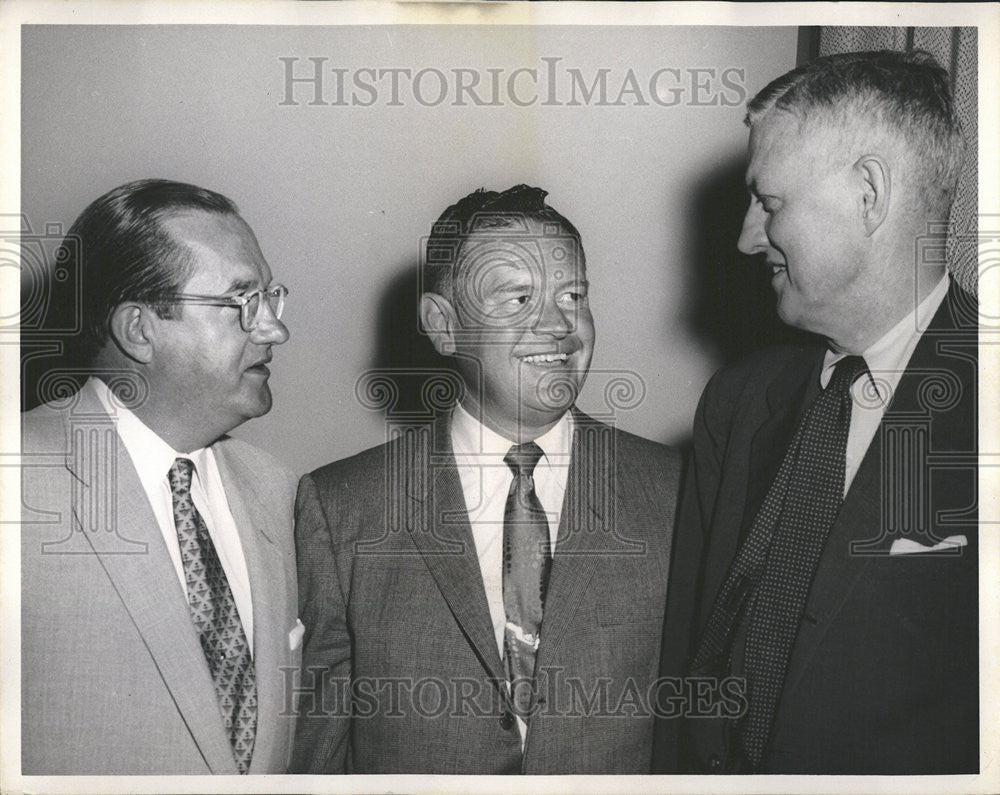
<point x="442" y="534"/>
<point x="839" y="570"/>
<point x="265" y="568"/>
<point x="584" y="528"/>
<point x="146" y="583"/>
<point x="787" y="397"/>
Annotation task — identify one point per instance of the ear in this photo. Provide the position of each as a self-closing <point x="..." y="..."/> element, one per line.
<point x="876" y="185"/>
<point x="130" y="329"/>
<point x="438" y="318"/>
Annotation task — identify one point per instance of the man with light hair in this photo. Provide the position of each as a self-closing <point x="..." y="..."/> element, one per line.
<point x="826" y="556"/>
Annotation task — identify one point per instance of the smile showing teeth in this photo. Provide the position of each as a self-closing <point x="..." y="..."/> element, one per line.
<point x="544" y="358"/>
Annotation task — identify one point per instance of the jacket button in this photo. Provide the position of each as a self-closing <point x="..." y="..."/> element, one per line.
<point x="714" y="763"/>
<point x="506" y="721"/>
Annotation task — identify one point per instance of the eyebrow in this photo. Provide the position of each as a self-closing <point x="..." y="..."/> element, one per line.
<point x="513" y="287"/>
<point x="241" y="285"/>
<point x="522" y="286"/>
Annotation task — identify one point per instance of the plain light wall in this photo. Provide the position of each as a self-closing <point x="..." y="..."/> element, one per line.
<point x="340" y="197"/>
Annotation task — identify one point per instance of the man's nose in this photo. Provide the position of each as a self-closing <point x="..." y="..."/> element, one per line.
<point x="554" y="320"/>
<point x="753" y="238"/>
<point x="269" y="330"/>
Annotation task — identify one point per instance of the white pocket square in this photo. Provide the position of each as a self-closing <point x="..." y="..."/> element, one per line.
<point x="295" y="635"/>
<point x="907" y="546"/>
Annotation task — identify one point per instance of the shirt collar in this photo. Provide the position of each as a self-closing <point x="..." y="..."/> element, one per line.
<point x="471" y="439"/>
<point x="151" y="456"/>
<point x="888" y="355"/>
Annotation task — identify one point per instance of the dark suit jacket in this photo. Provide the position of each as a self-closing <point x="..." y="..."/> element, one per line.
<point x="883" y="676"/>
<point x="113" y="677"/>
<point x="392" y="596"/>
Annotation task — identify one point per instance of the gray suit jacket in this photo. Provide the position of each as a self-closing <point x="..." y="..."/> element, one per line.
<point x="393" y="598"/>
<point x="114" y="680"/>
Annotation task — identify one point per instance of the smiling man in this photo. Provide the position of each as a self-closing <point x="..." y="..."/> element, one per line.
<point x="484" y="595"/>
<point x="826" y="553"/>
<point x="158" y="573"/>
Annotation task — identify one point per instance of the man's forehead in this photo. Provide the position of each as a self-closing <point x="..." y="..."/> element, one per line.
<point x="194" y="224"/>
<point x="820" y="133"/>
<point x="541" y="246"/>
<point x="777" y="128"/>
<point x="220" y="251"/>
<point x="783" y="141"/>
<point x="528" y="265"/>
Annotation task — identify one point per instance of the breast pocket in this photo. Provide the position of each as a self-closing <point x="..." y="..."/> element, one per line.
<point x="927" y="567"/>
<point x="932" y="595"/>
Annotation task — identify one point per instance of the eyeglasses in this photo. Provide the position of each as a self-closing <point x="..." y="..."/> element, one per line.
<point x="249" y="304"/>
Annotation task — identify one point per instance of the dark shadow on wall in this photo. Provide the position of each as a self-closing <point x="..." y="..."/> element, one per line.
<point x="410" y="381"/>
<point x="733" y="305"/>
<point x="49" y="321"/>
<point x="732" y="308"/>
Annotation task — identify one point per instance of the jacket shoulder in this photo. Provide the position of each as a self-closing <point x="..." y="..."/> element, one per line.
<point x="43" y="429"/>
<point x="367" y="469"/>
<point x="266" y="469"/>
<point x="761" y="366"/>
<point x="362" y="477"/>
<point x="655" y="465"/>
<point x="749" y="377"/>
<point x="654" y="455"/>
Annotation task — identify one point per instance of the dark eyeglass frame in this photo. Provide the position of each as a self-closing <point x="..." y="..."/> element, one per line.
<point x="249" y="317"/>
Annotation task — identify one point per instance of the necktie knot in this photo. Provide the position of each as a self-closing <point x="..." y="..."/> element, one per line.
<point x="522" y="458"/>
<point x="180" y="475"/>
<point x="846" y="372"/>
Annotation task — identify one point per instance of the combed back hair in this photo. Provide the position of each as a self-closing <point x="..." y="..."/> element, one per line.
<point x="908" y="94"/>
<point x="119" y="252"/>
<point x="479" y="211"/>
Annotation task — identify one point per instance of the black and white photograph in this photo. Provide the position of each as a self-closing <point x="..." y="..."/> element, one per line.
<point x="402" y="396"/>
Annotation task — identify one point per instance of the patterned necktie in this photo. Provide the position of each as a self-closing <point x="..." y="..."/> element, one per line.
<point x="527" y="560"/>
<point x="775" y="566"/>
<point x="214" y="613"/>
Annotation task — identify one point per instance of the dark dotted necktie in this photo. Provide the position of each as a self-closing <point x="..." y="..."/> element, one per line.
<point x="774" y="568"/>
<point x="527" y="560"/>
<point x="214" y="613"/>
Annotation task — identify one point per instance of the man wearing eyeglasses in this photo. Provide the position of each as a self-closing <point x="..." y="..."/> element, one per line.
<point x="158" y="579"/>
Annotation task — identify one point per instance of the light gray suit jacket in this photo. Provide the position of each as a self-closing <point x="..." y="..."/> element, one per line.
<point x="114" y="680"/>
<point x="401" y="672"/>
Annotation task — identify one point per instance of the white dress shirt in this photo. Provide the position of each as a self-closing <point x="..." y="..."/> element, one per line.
<point x="152" y="458"/>
<point x="486" y="480"/>
<point x="886" y="359"/>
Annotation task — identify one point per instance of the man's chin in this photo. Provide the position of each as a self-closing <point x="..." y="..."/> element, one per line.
<point x="547" y="409"/>
<point x="532" y="423"/>
<point x="786" y="307"/>
<point x="258" y="404"/>
<point x="553" y="392"/>
<point x="793" y="314"/>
